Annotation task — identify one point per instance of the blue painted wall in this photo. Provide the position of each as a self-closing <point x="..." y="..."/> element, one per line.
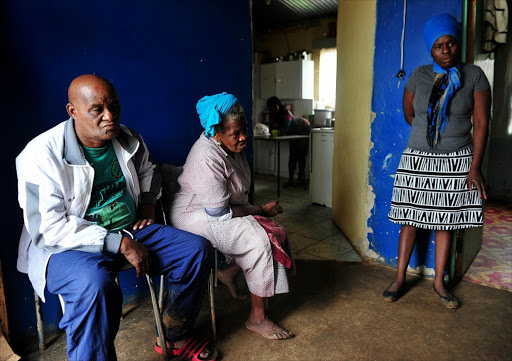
<point x="389" y="131"/>
<point x="161" y="55"/>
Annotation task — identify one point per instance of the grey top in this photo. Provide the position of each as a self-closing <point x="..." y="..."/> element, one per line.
<point x="457" y="134"/>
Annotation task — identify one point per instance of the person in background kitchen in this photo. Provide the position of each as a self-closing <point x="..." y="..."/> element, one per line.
<point x="288" y="124"/>
<point x="213" y="202"/>
<point x="438" y="183"/>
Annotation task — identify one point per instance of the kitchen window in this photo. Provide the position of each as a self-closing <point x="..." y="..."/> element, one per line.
<point x="327" y="78"/>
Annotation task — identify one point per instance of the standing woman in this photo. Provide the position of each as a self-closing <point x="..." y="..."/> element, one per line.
<point x="288" y="124"/>
<point x="438" y="184"/>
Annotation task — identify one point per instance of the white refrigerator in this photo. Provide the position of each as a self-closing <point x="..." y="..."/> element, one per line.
<point x="321" y="155"/>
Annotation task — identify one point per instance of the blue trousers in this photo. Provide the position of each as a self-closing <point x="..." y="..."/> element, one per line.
<point x="86" y="281"/>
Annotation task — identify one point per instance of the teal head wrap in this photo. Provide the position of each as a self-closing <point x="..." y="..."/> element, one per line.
<point x="212" y="108"/>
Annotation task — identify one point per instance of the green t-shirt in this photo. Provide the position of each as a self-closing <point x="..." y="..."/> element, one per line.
<point x="111" y="205"/>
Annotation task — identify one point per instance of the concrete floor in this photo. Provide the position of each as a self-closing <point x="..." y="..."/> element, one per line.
<point x="312" y="234"/>
<point x="336" y="311"/>
<point x="335" y="308"/>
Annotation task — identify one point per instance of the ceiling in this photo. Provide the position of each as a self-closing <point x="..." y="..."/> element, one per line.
<point x="274" y="14"/>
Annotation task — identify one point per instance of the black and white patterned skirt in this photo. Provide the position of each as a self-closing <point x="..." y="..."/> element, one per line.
<point x="431" y="191"/>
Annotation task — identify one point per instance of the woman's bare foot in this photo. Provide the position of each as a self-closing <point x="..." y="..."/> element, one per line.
<point x="227" y="276"/>
<point x="269" y="329"/>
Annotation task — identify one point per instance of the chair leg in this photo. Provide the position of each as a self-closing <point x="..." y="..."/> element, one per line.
<point x="40" y="324"/>
<point x="118" y="285"/>
<point x="62" y="303"/>
<point x="215" y="270"/>
<point x="161" y="292"/>
<point x="158" y="318"/>
<point x="212" y="305"/>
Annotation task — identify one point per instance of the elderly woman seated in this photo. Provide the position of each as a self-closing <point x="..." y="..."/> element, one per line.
<point x="213" y="202"/>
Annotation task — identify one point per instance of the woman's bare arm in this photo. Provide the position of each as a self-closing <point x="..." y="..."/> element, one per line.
<point x="408" y="107"/>
<point x="481" y="110"/>
<point x="270" y="209"/>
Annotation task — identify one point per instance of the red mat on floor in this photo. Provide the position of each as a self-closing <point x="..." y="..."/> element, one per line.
<point x="493" y="264"/>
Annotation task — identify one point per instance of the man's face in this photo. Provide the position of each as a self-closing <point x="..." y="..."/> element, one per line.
<point x="97" y="112"/>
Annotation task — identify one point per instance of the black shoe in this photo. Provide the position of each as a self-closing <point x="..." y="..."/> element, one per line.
<point x="450" y="301"/>
<point x="392" y="296"/>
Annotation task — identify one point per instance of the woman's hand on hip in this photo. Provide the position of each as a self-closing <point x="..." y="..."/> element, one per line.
<point x="476" y="180"/>
<point x="271" y="209"/>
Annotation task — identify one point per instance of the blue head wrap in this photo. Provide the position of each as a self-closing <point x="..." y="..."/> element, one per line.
<point x="438" y="26"/>
<point x="212" y="108"/>
<point x="442" y="93"/>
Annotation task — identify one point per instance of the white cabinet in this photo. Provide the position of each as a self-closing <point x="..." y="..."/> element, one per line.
<point x="264" y="157"/>
<point x="267" y="80"/>
<point x="287" y="79"/>
<point x="322" y="148"/>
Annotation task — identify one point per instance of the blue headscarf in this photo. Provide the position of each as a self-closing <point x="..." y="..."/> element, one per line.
<point x="212" y="108"/>
<point x="441" y="94"/>
<point x="438" y="26"/>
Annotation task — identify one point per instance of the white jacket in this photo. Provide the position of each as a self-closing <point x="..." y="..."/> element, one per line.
<point x="54" y="189"/>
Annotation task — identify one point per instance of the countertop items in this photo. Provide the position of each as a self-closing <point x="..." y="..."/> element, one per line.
<point x="322" y="117"/>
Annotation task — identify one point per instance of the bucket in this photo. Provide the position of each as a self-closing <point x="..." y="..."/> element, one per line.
<point x="321" y="116"/>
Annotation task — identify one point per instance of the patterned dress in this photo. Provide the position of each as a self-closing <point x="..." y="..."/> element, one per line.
<point x="212" y="179"/>
<point x="431" y="189"/>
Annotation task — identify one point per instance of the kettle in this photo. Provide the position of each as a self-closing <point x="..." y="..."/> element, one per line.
<point x="321" y="116"/>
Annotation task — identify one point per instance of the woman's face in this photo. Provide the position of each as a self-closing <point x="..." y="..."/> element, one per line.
<point x="234" y="136"/>
<point x="445" y="51"/>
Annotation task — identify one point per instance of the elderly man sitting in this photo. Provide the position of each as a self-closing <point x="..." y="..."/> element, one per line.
<point x="88" y="188"/>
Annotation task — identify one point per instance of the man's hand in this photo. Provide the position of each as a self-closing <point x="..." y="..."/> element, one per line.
<point x="146" y="216"/>
<point x="137" y="254"/>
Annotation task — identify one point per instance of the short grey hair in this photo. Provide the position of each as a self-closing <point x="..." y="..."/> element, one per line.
<point x="235" y="113"/>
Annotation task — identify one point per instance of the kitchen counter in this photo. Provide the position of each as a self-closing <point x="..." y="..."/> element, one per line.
<point x="323" y="130"/>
